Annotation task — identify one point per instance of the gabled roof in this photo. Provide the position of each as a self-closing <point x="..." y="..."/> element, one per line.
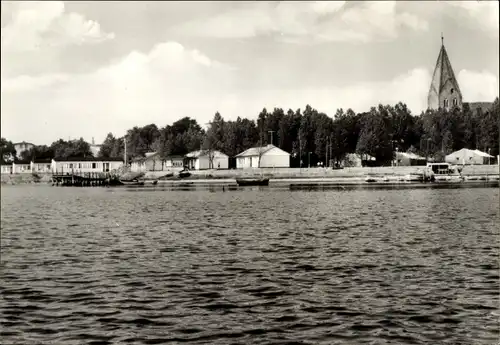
<point x="443" y="73"/>
<point x="469" y="153"/>
<point x="255" y="151"/>
<point x="204" y="153"/>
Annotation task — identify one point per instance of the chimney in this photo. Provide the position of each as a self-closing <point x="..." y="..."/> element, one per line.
<point x="93" y="141"/>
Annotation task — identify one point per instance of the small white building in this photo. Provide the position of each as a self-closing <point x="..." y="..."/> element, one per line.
<point x="408" y="159"/>
<point x="270" y="157"/>
<point x="21" y="167"/>
<point x="41" y="165"/>
<point x="151" y="162"/>
<point x="6" y="168"/>
<point x="200" y="160"/>
<point x="355" y="160"/>
<point x="469" y="157"/>
<point x="22" y="146"/>
<point x="85" y="165"/>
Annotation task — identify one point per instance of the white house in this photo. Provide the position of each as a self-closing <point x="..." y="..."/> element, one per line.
<point x="41" y="165"/>
<point x="85" y="164"/>
<point x="6" y="168"/>
<point x="200" y="160"/>
<point x="468" y="157"/>
<point x="151" y="162"/>
<point x="270" y="157"/>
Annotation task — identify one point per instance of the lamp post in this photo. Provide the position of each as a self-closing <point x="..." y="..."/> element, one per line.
<point x="309" y="159"/>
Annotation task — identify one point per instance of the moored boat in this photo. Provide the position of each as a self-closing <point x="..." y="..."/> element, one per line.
<point x="132" y="182"/>
<point x="253" y="182"/>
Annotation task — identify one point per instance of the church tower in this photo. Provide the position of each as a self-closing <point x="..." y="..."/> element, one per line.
<point x="444" y="91"/>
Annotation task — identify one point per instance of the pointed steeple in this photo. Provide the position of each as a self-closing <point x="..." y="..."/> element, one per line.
<point x="444" y="91"/>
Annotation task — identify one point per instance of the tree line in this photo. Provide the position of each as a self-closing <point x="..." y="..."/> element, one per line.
<point x="308" y="135"/>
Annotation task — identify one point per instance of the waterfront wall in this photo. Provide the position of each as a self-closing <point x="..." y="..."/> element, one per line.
<point x="278" y="173"/>
<point x="478" y="170"/>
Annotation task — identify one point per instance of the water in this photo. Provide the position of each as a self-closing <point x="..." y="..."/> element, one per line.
<point x="253" y="266"/>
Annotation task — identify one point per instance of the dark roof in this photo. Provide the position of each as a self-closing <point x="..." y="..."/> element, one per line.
<point x="88" y="159"/>
<point x="484" y="106"/>
<point x="42" y="160"/>
<point x="175" y="157"/>
<point x="19" y="161"/>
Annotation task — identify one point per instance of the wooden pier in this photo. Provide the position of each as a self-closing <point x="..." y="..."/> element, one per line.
<point x="90" y="179"/>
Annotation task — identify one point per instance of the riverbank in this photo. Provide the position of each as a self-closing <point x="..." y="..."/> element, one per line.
<point x="283" y="175"/>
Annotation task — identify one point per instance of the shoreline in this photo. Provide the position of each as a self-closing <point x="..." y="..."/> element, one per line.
<point x="283" y="175"/>
<point x="379" y="179"/>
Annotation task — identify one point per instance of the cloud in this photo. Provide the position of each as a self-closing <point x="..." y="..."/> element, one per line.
<point x="478" y="14"/>
<point x="478" y="86"/>
<point x="308" y="22"/>
<point x="41" y="24"/>
<point x="160" y="86"/>
<point x="171" y="81"/>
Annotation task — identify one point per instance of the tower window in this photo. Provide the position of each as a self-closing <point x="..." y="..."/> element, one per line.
<point x="445" y="103"/>
<point x="452" y="90"/>
<point x="455" y="102"/>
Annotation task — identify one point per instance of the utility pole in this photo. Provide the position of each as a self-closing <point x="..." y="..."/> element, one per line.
<point x="330" y="149"/>
<point x="125" y="152"/>
<point x="210" y="155"/>
<point x="272" y="143"/>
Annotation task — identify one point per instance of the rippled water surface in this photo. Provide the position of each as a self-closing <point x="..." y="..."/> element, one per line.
<point x="252" y="266"/>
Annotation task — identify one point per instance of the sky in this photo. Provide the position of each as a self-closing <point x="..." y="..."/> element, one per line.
<point x="84" y="69"/>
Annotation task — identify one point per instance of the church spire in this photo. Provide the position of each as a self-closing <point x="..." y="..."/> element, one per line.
<point x="444" y="91"/>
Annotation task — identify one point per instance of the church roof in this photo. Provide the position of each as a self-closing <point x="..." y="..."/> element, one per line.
<point x="443" y="72"/>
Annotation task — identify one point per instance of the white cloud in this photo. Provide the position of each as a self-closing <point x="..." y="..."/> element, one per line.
<point x="45" y="23"/>
<point x="478" y="86"/>
<point x="483" y="14"/>
<point x="161" y="86"/>
<point x="171" y="81"/>
<point x="309" y="22"/>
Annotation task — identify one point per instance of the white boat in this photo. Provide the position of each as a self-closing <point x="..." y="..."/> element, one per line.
<point x="414" y="177"/>
<point x="444" y="172"/>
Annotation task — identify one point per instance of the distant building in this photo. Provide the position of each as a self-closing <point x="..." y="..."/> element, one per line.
<point x="85" y="164"/>
<point x="174" y="161"/>
<point x="95" y="148"/>
<point x="22" y="146"/>
<point x="444" y="91"/>
<point x="271" y="157"/>
<point x="469" y="157"/>
<point x="41" y="165"/>
<point x="409" y="159"/>
<point x="200" y="160"/>
<point x="355" y="160"/>
<point x="151" y="162"/>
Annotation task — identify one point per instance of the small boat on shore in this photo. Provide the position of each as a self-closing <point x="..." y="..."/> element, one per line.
<point x="253" y="182"/>
<point x="132" y="182"/>
<point x="184" y="174"/>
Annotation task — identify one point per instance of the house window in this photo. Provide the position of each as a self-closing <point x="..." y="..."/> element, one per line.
<point x="71" y="166"/>
<point x="446" y="103"/>
<point x="94" y="165"/>
<point x="79" y="165"/>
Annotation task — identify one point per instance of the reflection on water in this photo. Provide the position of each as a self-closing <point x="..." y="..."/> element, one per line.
<point x="249" y="266"/>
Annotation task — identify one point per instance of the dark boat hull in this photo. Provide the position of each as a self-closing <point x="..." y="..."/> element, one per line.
<point x="253" y="182"/>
